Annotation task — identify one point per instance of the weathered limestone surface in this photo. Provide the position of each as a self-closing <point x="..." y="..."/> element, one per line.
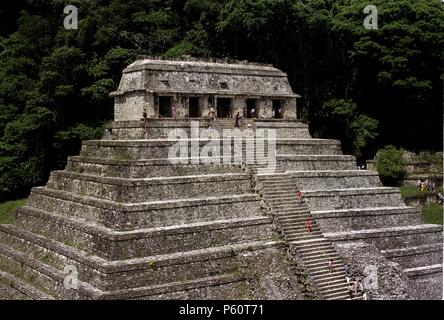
<point x="142" y="228"/>
<point x="136" y="226"/>
<point x="391" y="282"/>
<point x="148" y="80"/>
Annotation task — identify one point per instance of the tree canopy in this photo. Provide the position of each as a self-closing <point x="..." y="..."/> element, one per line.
<point x="368" y="88"/>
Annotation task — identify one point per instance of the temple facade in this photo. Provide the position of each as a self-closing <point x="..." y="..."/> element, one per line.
<point x="191" y="88"/>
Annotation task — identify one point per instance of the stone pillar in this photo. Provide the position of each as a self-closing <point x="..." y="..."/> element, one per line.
<point x="265" y="108"/>
<point x="181" y="106"/>
<point x="205" y="107"/>
<point x="238" y="106"/>
<point x="289" y="108"/>
<point x="129" y="106"/>
<point x="152" y="106"/>
<point x="202" y="108"/>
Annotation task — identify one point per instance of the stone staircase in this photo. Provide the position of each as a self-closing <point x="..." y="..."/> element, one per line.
<point x="290" y="215"/>
<point x="313" y="248"/>
<point x="349" y="205"/>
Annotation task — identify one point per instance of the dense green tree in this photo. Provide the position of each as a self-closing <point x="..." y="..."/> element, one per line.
<point x="391" y="165"/>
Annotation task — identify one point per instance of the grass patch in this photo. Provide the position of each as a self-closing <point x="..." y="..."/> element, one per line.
<point x="409" y="191"/>
<point x="433" y="213"/>
<point x="7" y="208"/>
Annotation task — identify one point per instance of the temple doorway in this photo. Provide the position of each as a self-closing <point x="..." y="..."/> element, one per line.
<point x="193" y="107"/>
<point x="165" y="107"/>
<point x="252" y="110"/>
<point x="277" y="109"/>
<point x="223" y="107"/>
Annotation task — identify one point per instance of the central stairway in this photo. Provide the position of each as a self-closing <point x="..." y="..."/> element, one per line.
<point x="314" y="250"/>
<point x="291" y="215"/>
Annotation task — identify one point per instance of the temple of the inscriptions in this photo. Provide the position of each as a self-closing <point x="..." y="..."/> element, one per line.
<point x="195" y="86"/>
<point x="123" y="221"/>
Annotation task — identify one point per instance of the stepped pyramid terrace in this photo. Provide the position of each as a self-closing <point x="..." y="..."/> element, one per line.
<point x="127" y="220"/>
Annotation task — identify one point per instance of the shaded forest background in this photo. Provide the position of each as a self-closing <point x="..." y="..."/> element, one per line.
<point x="369" y="88"/>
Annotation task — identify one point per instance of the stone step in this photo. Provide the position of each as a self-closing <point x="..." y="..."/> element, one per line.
<point x="298" y="221"/>
<point x="334" y="179"/>
<point x="50" y="281"/>
<point x="289" y="208"/>
<point x="323" y="275"/>
<point x="426" y="281"/>
<point x="365" y="218"/>
<point x="393" y="237"/>
<point x="300" y="211"/>
<point x="283" y="202"/>
<point x="294" y="220"/>
<point x="339" y="282"/>
<point x="290" y="191"/>
<point x="339" y="199"/>
<point x="297" y="218"/>
<point x="298" y="237"/>
<point x="144" y="215"/>
<point x="345" y="297"/>
<point x="149" y="189"/>
<point x="320" y="254"/>
<point x="291" y="216"/>
<point x="281" y="192"/>
<point x="147" y="168"/>
<point x="278" y="189"/>
<point x="328" y="292"/>
<point x="280" y="201"/>
<point x="308" y="242"/>
<point x="317" y="162"/>
<point x="315" y="248"/>
<point x="323" y="268"/>
<point x="23" y="288"/>
<point x="313" y="244"/>
<point x="279" y="123"/>
<point x="154" y="129"/>
<point x="160" y="148"/>
<point x="418" y="256"/>
<point x="278" y="185"/>
<point x="329" y="279"/>
<point x="120" y="245"/>
<point x="321" y="265"/>
<point x="429" y="269"/>
<point x="110" y="275"/>
<point x="278" y="177"/>
<point x="298" y="227"/>
<point x="316" y="254"/>
<point x="301" y="206"/>
<point x="40" y="276"/>
<point x="339" y="296"/>
<point x="286" y="130"/>
<point x="289" y="233"/>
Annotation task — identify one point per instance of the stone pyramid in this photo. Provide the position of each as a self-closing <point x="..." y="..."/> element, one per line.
<point x="123" y="222"/>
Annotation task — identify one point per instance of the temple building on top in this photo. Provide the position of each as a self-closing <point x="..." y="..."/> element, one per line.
<point x="193" y="87"/>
